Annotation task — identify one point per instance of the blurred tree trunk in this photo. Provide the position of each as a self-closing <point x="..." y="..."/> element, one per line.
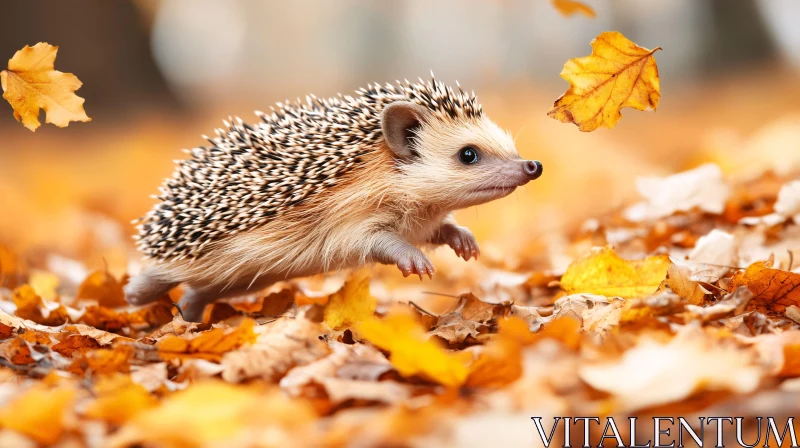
<point x="739" y="35"/>
<point x="105" y="43"/>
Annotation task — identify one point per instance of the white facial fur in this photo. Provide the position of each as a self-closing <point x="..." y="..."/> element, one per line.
<point x="437" y="177"/>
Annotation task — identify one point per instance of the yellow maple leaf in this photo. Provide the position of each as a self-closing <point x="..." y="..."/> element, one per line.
<point x="412" y="352"/>
<point x="603" y="272"/>
<point x="351" y="304"/>
<point x="31" y="83"/>
<point x="617" y="74"/>
<point x="570" y="7"/>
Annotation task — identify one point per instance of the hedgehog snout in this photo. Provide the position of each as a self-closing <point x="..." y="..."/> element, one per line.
<point x="532" y="168"/>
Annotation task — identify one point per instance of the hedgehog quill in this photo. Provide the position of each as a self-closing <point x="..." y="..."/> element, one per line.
<point x="324" y="185"/>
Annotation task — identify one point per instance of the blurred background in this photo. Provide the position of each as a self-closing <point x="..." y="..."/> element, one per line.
<point x="159" y="73"/>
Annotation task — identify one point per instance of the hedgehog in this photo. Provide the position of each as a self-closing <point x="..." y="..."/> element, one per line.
<point x="325" y="185"/>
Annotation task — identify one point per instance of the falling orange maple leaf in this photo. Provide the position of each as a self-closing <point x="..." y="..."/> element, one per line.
<point x="617" y="74"/>
<point x="31" y="83"/>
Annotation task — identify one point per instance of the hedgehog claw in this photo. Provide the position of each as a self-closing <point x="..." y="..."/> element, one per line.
<point x="461" y="240"/>
<point x="415" y="262"/>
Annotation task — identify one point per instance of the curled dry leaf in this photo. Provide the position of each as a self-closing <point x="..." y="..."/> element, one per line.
<point x="570" y="7"/>
<point x="412" y="353"/>
<point x="32" y="307"/>
<point x="617" y="74"/>
<point x="350" y="372"/>
<point x="603" y="272"/>
<point x="351" y="304"/>
<point x="712" y="256"/>
<point x="31" y="83"/>
<point x="467" y="318"/>
<point x="278" y="347"/>
<point x="680" y="282"/>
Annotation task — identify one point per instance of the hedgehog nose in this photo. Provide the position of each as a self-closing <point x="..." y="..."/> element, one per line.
<point x="533" y="168"/>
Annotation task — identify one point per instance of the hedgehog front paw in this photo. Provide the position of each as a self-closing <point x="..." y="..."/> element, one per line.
<point x="461" y="240"/>
<point x="415" y="262"/>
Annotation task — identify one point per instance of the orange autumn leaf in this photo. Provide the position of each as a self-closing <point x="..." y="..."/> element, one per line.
<point x="412" y="352"/>
<point x="570" y="7"/>
<point x="118" y="399"/>
<point x="617" y="74"/>
<point x="500" y="361"/>
<point x="210" y="345"/>
<point x="773" y="289"/>
<point x="791" y="361"/>
<point x="603" y="272"/>
<point x="30" y="306"/>
<point x="31" y="83"/>
<point x="566" y="330"/>
<point x="103" y="287"/>
<point x="39" y="413"/>
<point x="12" y="269"/>
<point x="352" y="303"/>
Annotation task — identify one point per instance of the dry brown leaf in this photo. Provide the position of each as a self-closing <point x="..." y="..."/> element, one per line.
<point x="30" y="306"/>
<point x="570" y="7"/>
<point x="350" y="372"/>
<point x="603" y="272"/>
<point x="680" y="282"/>
<point x="31" y="83"/>
<point x="617" y="74"/>
<point x="277" y="303"/>
<point x="773" y="289"/>
<point x="278" y="347"/>
<point x="211" y="345"/>
<point x="467" y="318"/>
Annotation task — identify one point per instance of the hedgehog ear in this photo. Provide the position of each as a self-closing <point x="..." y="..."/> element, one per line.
<point x="399" y="122"/>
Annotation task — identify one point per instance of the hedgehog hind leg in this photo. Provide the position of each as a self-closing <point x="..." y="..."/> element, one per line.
<point x="193" y="303"/>
<point x="147" y="287"/>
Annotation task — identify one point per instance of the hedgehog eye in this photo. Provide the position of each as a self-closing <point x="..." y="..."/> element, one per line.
<point x="468" y="155"/>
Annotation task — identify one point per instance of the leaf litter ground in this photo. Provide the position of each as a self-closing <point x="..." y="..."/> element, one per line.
<point x="665" y="309"/>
